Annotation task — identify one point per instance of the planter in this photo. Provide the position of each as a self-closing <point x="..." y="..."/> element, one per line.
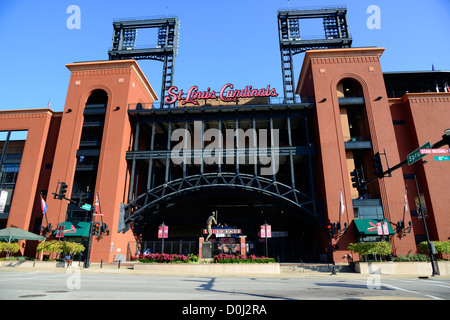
<point x="210" y="268"/>
<point x="402" y="268"/>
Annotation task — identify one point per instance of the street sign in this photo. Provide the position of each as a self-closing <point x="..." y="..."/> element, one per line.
<point x="416" y="155"/>
<point x="86" y="207"/>
<point x="441" y="158"/>
<point x="434" y="151"/>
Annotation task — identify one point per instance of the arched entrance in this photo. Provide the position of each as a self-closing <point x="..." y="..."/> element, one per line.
<point x="242" y="201"/>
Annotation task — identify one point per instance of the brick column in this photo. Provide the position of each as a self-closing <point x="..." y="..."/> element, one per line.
<point x="200" y="243"/>
<point x="242" y="241"/>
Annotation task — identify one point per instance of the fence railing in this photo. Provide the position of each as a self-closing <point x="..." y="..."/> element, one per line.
<point x="135" y="249"/>
<point x="220" y="103"/>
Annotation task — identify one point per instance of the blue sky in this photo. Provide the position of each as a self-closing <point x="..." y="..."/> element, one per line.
<point x="234" y="41"/>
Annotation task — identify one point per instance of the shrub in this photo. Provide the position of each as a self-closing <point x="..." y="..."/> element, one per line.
<point x="167" y="258"/>
<point x="231" y="258"/>
<point x="411" y="257"/>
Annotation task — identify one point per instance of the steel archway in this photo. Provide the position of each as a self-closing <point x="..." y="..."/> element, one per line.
<point x="148" y="201"/>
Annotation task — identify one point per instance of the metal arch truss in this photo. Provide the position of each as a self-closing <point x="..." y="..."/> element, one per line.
<point x="140" y="206"/>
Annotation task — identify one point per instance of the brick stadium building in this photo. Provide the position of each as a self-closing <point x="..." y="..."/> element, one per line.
<point x="114" y="142"/>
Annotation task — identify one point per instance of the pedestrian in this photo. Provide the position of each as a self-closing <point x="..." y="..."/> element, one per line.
<point x="68" y="261"/>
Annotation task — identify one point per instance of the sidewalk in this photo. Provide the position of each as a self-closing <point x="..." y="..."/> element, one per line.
<point x="127" y="268"/>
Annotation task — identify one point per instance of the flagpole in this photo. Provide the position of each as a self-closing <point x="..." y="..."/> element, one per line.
<point x="340" y="206"/>
<point x="404" y="204"/>
<point x="100" y="208"/>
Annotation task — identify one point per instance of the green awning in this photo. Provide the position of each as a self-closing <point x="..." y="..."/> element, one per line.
<point x="13" y="234"/>
<point x="372" y="227"/>
<point x="76" y="229"/>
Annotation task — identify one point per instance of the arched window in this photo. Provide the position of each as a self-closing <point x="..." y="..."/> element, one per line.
<point x="98" y="97"/>
<point x="349" y="88"/>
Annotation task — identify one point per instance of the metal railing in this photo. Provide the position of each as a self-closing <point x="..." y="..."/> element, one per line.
<point x="220" y="103"/>
<point x="135" y="249"/>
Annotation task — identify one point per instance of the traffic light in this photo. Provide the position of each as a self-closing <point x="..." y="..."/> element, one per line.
<point x="96" y="229"/>
<point x="62" y="190"/>
<point x="377" y="166"/>
<point x="330" y="231"/>
<point x="105" y="228"/>
<point x="81" y="201"/>
<point x="358" y="181"/>
<point x="355" y="179"/>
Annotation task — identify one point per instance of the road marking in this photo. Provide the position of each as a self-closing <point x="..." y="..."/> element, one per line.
<point x="405" y="290"/>
<point x="33" y="278"/>
<point x="431" y="282"/>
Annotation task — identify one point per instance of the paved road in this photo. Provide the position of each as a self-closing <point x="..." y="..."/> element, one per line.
<point x="76" y="284"/>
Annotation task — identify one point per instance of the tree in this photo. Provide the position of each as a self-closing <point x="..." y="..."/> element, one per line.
<point x="382" y="248"/>
<point x="9" y="247"/>
<point x="56" y="246"/>
<point x="440" y="246"/>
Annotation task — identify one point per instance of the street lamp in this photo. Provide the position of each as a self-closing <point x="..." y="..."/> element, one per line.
<point x="430" y="251"/>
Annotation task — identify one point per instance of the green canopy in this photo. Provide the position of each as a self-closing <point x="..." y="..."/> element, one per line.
<point x="13" y="234"/>
<point x="370" y="227"/>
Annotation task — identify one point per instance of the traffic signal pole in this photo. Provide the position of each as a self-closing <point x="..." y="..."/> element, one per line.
<point x="444" y="141"/>
<point x="88" y="253"/>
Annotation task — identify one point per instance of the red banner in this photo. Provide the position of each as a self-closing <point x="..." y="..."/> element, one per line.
<point x="265" y="227"/>
<point x="166" y="232"/>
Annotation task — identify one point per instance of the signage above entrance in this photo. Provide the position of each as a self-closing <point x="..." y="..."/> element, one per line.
<point x="226" y="94"/>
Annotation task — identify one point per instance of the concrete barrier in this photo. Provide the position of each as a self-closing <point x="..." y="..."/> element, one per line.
<point x="402" y="268"/>
<point x="209" y="268"/>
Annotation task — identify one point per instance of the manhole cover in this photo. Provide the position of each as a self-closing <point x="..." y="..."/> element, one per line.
<point x="33" y="296"/>
<point x="56" y="291"/>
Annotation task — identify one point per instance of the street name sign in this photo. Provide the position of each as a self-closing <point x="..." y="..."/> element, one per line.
<point x="434" y="151"/>
<point x="86" y="207"/>
<point x="441" y="158"/>
<point x="416" y="155"/>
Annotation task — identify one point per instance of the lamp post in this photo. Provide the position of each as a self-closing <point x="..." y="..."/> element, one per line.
<point x="430" y="251"/>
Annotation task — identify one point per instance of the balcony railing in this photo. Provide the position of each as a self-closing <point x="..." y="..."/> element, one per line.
<point x="220" y="103"/>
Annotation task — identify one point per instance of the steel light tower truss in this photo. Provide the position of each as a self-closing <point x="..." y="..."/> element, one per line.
<point x="336" y="35"/>
<point x="165" y="50"/>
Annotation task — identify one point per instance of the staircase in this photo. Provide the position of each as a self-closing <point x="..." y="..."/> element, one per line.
<point x="313" y="268"/>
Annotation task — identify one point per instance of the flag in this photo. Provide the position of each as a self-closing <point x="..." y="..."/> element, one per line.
<point x="97" y="210"/>
<point x="48" y="104"/>
<point x="406" y="200"/>
<point x="342" y="204"/>
<point x="43" y="206"/>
